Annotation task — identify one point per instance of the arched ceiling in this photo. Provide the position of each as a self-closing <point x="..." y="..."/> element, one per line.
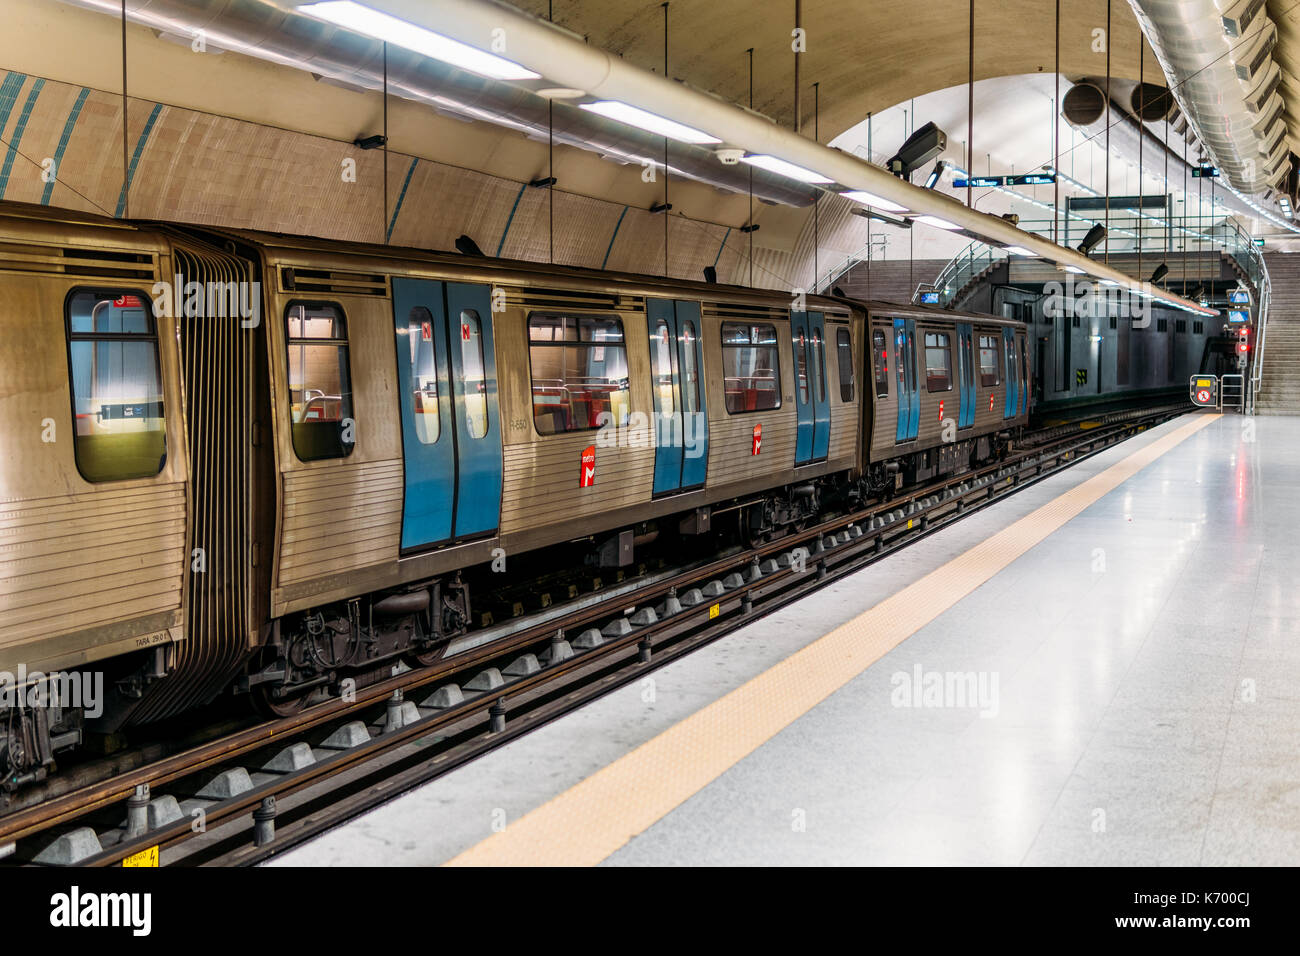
<point x="865" y="57"/>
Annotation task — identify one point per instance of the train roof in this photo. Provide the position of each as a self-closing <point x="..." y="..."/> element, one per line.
<point x="83" y="225"/>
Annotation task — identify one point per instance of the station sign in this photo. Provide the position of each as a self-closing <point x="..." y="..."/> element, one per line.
<point x="1205" y="172"/>
<point x="1204" y="390"/>
<point x="1032" y="179"/>
<point x="978" y="182"/>
<point x="1238" y="315"/>
<point x="1239" y="297"/>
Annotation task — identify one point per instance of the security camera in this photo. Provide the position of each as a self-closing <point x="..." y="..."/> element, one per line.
<point x="727" y="156"/>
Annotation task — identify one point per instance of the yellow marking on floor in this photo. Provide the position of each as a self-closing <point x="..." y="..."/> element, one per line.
<point x="592" y="819"/>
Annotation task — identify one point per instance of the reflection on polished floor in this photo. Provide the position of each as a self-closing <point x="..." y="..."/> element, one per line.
<point x="1126" y="691"/>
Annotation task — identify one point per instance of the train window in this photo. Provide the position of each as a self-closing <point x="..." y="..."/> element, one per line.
<point x="1180" y="325"/>
<point x="990" y="366"/>
<point x="1162" y="325"/>
<point x="661" y="367"/>
<point x="320" y="388"/>
<point x="690" y="371"/>
<point x="1114" y="322"/>
<point x="844" y="351"/>
<point x="751" y="381"/>
<point x="880" y="358"/>
<point x="1198" y="328"/>
<point x="801" y="367"/>
<point x="938" y="362"/>
<point x="119" y="430"/>
<point x="579" y="372"/>
<point x="473" y="375"/>
<point x="1075" y="321"/>
<point x="424" y="375"/>
<point x="819" y="365"/>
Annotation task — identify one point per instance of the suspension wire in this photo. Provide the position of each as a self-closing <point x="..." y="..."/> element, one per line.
<point x="126" y="174"/>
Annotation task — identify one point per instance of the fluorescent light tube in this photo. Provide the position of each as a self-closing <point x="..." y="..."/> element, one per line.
<point x="1021" y="251"/>
<point x="782" y="168"/>
<point x="650" y="122"/>
<point x="381" y="26"/>
<point x="936" y="222"/>
<point x="871" y="199"/>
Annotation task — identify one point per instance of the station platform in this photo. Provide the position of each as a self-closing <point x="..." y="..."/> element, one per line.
<point x="1102" y="669"/>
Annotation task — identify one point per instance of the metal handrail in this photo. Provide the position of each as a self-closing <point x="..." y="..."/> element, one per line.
<point x="1261" y="324"/>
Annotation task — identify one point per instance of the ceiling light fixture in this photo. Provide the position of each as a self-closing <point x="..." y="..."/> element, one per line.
<point x="381" y="26"/>
<point x="871" y="199"/>
<point x="650" y="122"/>
<point x="782" y="168"/>
<point x="936" y="222"/>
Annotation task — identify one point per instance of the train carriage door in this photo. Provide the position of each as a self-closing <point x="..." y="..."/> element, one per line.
<point x="695" y="411"/>
<point x="1024" y="373"/>
<point x="821" y="401"/>
<point x="478" y="422"/>
<point x="802" y="346"/>
<point x="909" y="398"/>
<point x="425" y="399"/>
<point x="681" y="415"/>
<point x="966" y="374"/>
<point x="1010" y="366"/>
<point x="665" y="374"/>
<point x="451" y="434"/>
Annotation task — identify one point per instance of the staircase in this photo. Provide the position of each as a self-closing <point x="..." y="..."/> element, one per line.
<point x="1279" y="389"/>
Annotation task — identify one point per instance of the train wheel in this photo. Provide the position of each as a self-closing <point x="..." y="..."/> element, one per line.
<point x="426" y="658"/>
<point x="269" y="705"/>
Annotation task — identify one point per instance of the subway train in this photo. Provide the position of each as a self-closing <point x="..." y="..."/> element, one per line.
<point x="237" y="462"/>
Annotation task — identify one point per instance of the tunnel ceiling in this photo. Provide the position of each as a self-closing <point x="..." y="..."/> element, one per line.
<point x="866" y="57"/>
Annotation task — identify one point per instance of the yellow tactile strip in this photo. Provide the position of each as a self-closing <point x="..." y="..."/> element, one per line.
<point x="592" y="819"/>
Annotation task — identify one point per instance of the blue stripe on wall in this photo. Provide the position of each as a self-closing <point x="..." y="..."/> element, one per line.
<point x="401" y="198"/>
<point x="135" y="157"/>
<point x="63" y="142"/>
<point x="16" y="137"/>
<point x="509" y="219"/>
<point x="721" y="246"/>
<point x="613" y="237"/>
<point x="13" y="82"/>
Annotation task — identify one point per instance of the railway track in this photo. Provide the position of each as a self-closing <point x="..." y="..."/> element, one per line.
<point x="245" y="795"/>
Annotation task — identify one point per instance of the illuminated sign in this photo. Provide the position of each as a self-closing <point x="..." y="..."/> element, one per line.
<point x="1205" y="172"/>
<point x="929" y="298"/>
<point x="1239" y="296"/>
<point x="1032" y="179"/>
<point x="1238" y="315"/>
<point x="978" y="182"/>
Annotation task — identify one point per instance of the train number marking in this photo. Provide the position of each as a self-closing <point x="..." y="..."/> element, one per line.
<point x="149" y="640"/>
<point x="518" y="424"/>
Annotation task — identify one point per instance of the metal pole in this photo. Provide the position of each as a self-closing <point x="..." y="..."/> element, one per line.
<point x="970" y="109"/>
<point x="383" y="220"/>
<point x="798" y="105"/>
<point x="667" y="211"/>
<point x="126" y="175"/>
<point x="1108" y="10"/>
<point x="750" y="51"/>
<point x="1056" y="130"/>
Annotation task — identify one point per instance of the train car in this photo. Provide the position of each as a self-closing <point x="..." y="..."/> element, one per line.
<point x="239" y="460"/>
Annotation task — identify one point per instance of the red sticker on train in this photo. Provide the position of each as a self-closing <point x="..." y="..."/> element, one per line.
<point x="940" y="409"/>
<point x="990" y="401"/>
<point x="758" y="440"/>
<point x="426" y="331"/>
<point x="587" y="474"/>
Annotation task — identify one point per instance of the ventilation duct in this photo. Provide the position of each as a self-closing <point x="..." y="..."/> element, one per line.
<point x="1220" y="66"/>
